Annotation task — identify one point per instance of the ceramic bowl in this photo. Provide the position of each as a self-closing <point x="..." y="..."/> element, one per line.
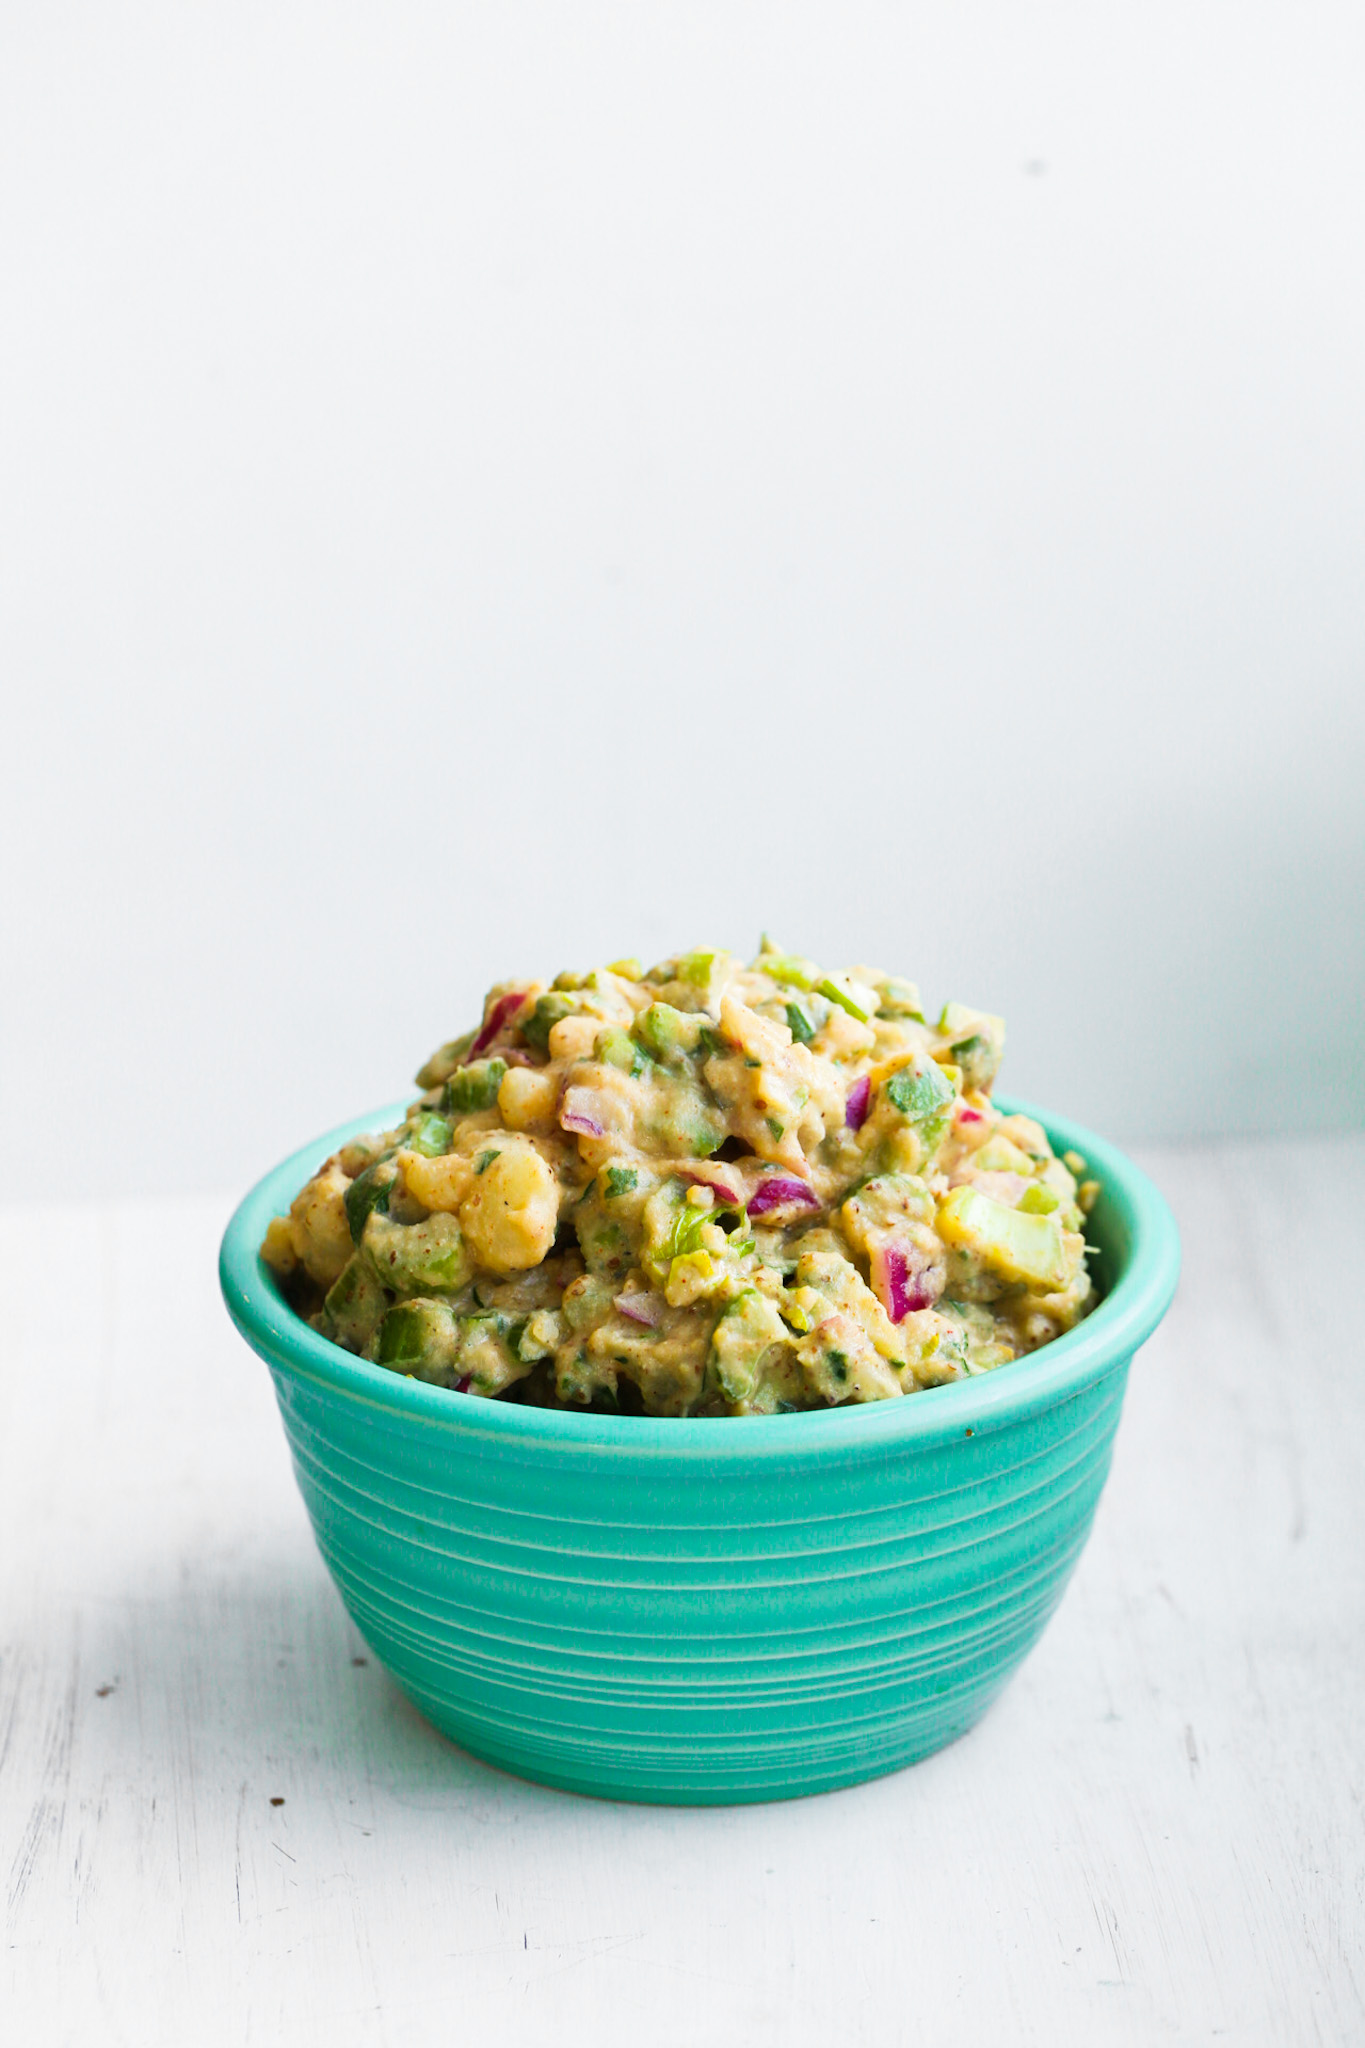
<point x="695" y="1611"/>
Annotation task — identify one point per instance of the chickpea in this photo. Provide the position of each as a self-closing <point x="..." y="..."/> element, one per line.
<point x="511" y="1213"/>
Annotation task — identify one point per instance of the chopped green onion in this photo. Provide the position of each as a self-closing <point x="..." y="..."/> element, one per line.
<point x="834" y="994"/>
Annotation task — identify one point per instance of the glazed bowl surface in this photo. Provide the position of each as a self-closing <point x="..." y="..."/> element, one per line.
<point x="708" y="1611"/>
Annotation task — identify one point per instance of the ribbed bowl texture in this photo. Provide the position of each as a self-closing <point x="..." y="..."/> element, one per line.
<point x="701" y="1612"/>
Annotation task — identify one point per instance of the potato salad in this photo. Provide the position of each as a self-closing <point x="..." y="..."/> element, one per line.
<point x="710" y="1189"/>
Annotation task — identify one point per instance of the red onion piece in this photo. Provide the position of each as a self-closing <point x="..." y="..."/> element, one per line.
<point x="639" y="1308"/>
<point x="503" y="1010"/>
<point x="778" y="1193"/>
<point x="970" y="1116"/>
<point x="859" y="1096"/>
<point x="899" y="1282"/>
<point x="463" y="1386"/>
<point x="724" y="1190"/>
<point x="575" y="1113"/>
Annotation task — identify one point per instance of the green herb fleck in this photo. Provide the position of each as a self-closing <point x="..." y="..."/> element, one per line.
<point x="799" y="1023"/>
<point x="684" y="1233"/>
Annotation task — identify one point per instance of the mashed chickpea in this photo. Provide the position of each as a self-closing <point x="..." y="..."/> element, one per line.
<point x="711" y="1189"/>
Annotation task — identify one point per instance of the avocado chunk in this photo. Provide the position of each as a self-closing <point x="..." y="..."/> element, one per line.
<point x="1018" y="1246"/>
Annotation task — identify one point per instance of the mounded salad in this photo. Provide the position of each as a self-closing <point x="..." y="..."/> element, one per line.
<point x="710" y="1189"/>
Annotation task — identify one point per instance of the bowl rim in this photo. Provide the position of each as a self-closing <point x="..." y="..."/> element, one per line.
<point x="1011" y="1393"/>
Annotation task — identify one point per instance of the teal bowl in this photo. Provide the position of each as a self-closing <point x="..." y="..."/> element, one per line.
<point x="703" y="1612"/>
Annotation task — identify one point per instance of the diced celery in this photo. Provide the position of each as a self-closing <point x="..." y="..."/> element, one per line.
<point x="616" y="1048"/>
<point x="587" y="1301"/>
<point x="431" y="1137"/>
<point x="900" y="999"/>
<point x="976" y="1040"/>
<point x="474" y="1087"/>
<point x="421" y="1338"/>
<point x="538" y="1336"/>
<point x="355" y="1303"/>
<point x="666" y="1032"/>
<point x="418" y="1258"/>
<point x="548" y="1012"/>
<point x="789" y="969"/>
<point x="921" y="1093"/>
<point x="998" y="1155"/>
<point x="489" y="1358"/>
<point x="1014" y="1243"/>
<point x="629" y="970"/>
<point x="697" y="968"/>
<point x="1038" y="1200"/>
<point x="372" y="1189"/>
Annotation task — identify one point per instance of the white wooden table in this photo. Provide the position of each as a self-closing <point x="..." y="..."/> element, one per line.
<point x="219" y="1824"/>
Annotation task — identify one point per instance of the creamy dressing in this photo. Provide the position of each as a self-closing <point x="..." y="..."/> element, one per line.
<point x="711" y="1189"/>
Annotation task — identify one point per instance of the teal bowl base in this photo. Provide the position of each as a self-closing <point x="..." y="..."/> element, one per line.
<point x="688" y="1612"/>
<point x="627" y="1750"/>
<point x="665" y="1784"/>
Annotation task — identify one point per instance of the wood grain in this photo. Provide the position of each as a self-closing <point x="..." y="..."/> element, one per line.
<point x="218" y="1826"/>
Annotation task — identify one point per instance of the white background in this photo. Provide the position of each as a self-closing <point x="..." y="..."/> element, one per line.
<point x="487" y="488"/>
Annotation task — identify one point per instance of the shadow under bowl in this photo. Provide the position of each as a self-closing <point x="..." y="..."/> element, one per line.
<point x="707" y="1612"/>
